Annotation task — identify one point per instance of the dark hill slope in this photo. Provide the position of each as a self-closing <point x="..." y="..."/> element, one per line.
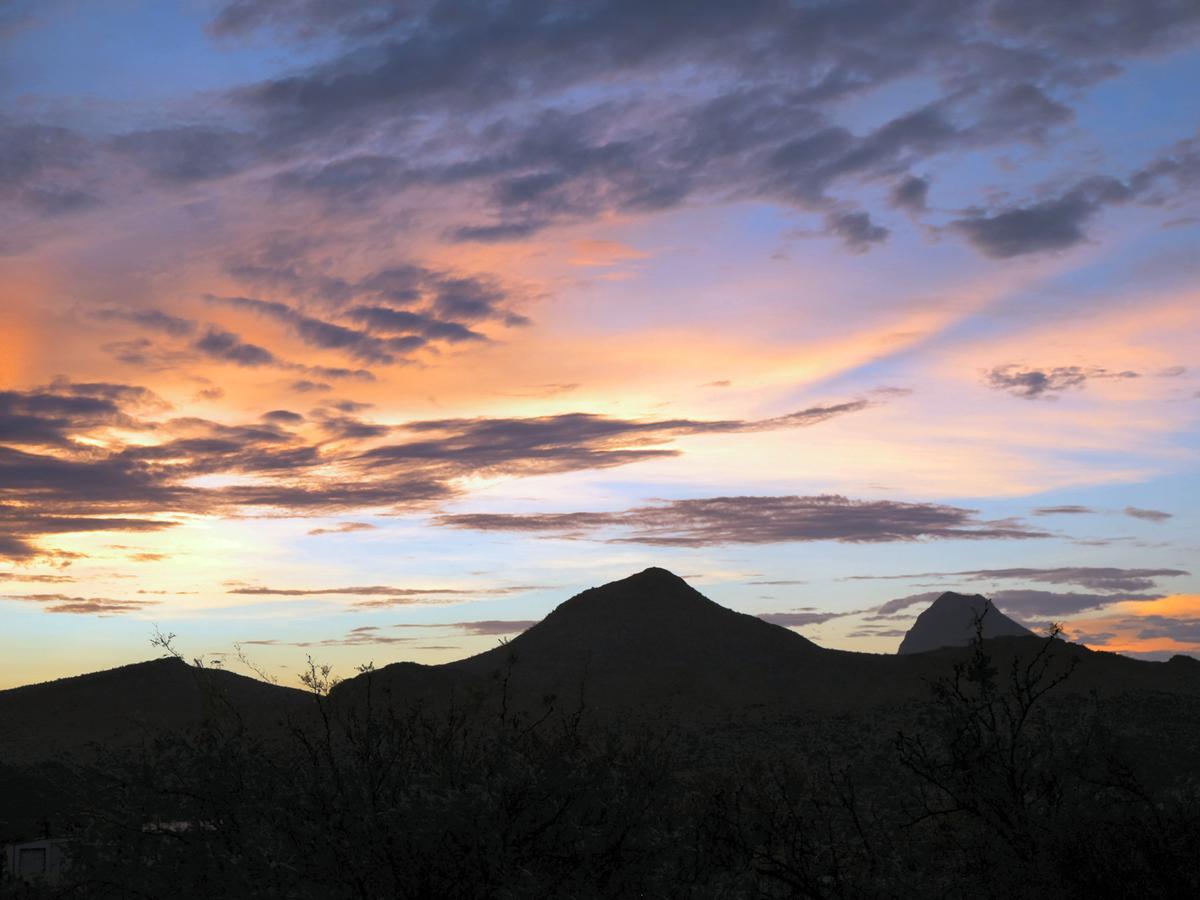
<point x="653" y="638"/>
<point x="652" y="641"/>
<point x="950" y="622"/>
<point x="125" y="704"/>
<point x="648" y="642"/>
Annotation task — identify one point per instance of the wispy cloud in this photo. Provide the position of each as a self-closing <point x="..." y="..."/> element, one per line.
<point x="758" y="520"/>
<point x="1148" y="515"/>
<point x="1099" y="578"/>
<point x="92" y="606"/>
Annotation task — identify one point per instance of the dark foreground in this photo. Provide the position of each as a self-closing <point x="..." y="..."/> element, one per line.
<point x="992" y="787"/>
<point x="739" y="761"/>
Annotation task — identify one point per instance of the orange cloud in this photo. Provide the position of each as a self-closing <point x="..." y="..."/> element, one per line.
<point x="1137" y="627"/>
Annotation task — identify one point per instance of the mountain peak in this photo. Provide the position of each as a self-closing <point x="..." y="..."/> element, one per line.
<point x="950" y="622"/>
<point x="651" y="634"/>
<point x="652" y="598"/>
<point x="654" y="574"/>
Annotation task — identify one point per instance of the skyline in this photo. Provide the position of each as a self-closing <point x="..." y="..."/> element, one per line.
<point x="374" y="331"/>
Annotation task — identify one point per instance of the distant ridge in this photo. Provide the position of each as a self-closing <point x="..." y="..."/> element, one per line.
<point x="649" y="643"/>
<point x="950" y="622"/>
<point x="127" y="703"/>
<point x="652" y="642"/>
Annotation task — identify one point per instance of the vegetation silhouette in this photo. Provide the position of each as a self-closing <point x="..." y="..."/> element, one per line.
<point x="998" y="782"/>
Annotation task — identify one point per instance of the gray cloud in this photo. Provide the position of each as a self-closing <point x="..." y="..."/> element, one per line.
<point x="1035" y="384"/>
<point x="758" y="520"/>
<point x="282" y="417"/>
<point x="1067" y="510"/>
<point x="1097" y="578"/>
<point x="436" y="302"/>
<point x="221" y="345"/>
<point x="755" y="135"/>
<point x="152" y="319"/>
<point x="1032" y="603"/>
<point x="1057" y="223"/>
<point x="188" y="153"/>
<point x="856" y="230"/>
<point x="1185" y="631"/>
<point x="95" y="606"/>
<point x="392" y="321"/>
<point x="61" y="484"/>
<point x="891" y="608"/>
<point x="228" y="347"/>
<point x="488" y="100"/>
<point x="41" y="170"/>
<point x="1024" y="603"/>
<point x="328" y="335"/>
<point x="868" y="631"/>
<point x="362" y="635"/>
<point x="50" y="415"/>
<point x="1148" y="515"/>
<point x="910" y="194"/>
<point x="567" y="442"/>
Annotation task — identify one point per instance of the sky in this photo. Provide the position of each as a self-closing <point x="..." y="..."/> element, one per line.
<point x="372" y="331"/>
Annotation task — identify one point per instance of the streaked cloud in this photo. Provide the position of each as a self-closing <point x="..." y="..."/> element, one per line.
<point x="758" y="520"/>
<point x="1098" y="578"/>
<point x="1066" y="510"/>
<point x="1148" y="515"/>
<point x="90" y="606"/>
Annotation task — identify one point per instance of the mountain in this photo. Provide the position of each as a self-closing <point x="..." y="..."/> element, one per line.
<point x="652" y="636"/>
<point x="950" y="622"/>
<point x="648" y="649"/>
<point x="649" y="642"/>
<point x="128" y="703"/>
<point x="654" y="644"/>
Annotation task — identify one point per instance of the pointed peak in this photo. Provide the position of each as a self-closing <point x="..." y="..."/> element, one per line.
<point x="651" y="628"/>
<point x="950" y="621"/>
<point x="654" y="575"/>
<point x="645" y="590"/>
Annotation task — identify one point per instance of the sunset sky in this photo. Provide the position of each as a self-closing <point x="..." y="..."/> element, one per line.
<point x="373" y="331"/>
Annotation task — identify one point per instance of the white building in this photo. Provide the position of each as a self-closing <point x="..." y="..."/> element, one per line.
<point x="42" y="859"/>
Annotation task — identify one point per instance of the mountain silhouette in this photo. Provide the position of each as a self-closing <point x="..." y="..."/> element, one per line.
<point x="128" y="703"/>
<point x="650" y="665"/>
<point x="652" y="636"/>
<point x="649" y="643"/>
<point x="950" y="622"/>
<point x="652" y="643"/>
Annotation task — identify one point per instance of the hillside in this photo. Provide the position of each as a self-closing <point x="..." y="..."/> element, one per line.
<point x="128" y="704"/>
<point x="651" y="642"/>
